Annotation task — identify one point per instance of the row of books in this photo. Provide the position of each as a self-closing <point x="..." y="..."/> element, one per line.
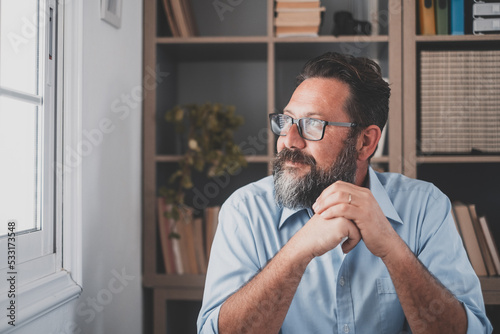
<point x="477" y="238"/>
<point x="180" y="18"/>
<point x="186" y="243"/>
<point x="458" y="17"/>
<point x="297" y="17"/>
<point x="459" y="102"/>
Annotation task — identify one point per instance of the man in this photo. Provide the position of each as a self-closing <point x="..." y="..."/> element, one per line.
<point x="326" y="244"/>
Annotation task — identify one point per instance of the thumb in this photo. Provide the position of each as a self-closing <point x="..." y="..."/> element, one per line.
<point x="353" y="237"/>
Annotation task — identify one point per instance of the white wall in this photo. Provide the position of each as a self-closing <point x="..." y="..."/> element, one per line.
<point x="111" y="301"/>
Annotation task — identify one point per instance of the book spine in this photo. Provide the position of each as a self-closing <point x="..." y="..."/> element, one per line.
<point x="427" y="17"/>
<point x="457" y="17"/>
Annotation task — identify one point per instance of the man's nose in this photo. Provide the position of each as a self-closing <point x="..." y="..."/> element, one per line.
<point x="293" y="138"/>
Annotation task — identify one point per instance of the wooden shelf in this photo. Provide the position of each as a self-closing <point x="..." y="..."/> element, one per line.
<point x="173" y="281"/>
<point x="332" y="39"/>
<point x="271" y="39"/>
<point x="249" y="159"/>
<point x="459" y="159"/>
<point x="213" y="40"/>
<point x="490" y="285"/>
<point x="457" y="38"/>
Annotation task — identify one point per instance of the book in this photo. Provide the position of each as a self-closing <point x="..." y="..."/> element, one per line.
<point x="469" y="238"/>
<point x="297" y="4"/>
<point x="490" y="266"/>
<point x="211" y="222"/>
<point x="456" y="17"/>
<point x="175" y="244"/>
<point x="170" y="18"/>
<point x="297" y="31"/>
<point x="456" y="223"/>
<point x="187" y="10"/>
<point x="199" y="245"/>
<point x="185" y="230"/>
<point x="297" y="18"/>
<point x="184" y="18"/>
<point x="490" y="241"/>
<point x="442" y="17"/>
<point x="427" y="17"/>
<point x="166" y="244"/>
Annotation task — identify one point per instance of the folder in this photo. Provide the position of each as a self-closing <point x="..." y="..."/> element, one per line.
<point x="456" y="17"/>
<point x="427" y="17"/>
<point x="442" y="17"/>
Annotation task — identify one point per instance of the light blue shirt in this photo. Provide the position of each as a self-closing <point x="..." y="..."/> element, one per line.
<point x="340" y="293"/>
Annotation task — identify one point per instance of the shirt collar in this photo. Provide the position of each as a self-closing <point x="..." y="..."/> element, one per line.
<point x="383" y="199"/>
<point x="378" y="192"/>
<point x="287" y="213"/>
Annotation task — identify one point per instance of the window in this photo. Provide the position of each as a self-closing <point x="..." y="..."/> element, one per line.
<point x="27" y="130"/>
<point x="32" y="135"/>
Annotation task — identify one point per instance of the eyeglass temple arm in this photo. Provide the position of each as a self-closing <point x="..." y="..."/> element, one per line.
<point x="348" y="125"/>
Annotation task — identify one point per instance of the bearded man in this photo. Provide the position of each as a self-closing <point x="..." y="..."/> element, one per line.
<point x="328" y="245"/>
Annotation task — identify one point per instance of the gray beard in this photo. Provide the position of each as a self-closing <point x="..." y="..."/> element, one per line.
<point x="296" y="192"/>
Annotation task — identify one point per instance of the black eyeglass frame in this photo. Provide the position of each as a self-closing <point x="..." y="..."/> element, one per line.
<point x="296" y="121"/>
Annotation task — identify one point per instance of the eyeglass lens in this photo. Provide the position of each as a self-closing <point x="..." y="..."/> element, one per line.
<point x="309" y="128"/>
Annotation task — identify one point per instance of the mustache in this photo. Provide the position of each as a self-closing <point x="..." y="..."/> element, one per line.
<point x="295" y="156"/>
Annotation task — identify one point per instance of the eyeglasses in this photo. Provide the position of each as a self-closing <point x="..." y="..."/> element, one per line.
<point x="309" y="128"/>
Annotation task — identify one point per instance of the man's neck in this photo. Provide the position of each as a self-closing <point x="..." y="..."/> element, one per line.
<point x="362" y="176"/>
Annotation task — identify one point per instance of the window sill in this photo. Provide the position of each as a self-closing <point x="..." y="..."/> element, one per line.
<point x="38" y="298"/>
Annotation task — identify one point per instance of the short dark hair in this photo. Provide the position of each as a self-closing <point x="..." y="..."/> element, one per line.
<point x="369" y="99"/>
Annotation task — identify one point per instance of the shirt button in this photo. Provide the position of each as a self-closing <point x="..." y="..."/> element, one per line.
<point x="346" y="328"/>
<point x="341" y="281"/>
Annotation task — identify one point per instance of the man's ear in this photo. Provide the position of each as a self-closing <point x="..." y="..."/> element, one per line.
<point x="367" y="142"/>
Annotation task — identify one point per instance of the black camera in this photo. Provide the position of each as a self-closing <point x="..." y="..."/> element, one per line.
<point x="345" y="24"/>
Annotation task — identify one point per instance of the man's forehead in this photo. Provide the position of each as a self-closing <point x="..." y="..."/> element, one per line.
<point x="318" y="98"/>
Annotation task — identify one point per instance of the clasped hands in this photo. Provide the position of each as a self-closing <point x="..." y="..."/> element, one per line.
<point x="344" y="210"/>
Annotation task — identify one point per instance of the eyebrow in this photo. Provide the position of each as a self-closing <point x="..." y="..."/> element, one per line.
<point x="312" y="114"/>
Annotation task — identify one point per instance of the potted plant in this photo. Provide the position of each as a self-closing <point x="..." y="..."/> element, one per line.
<point x="211" y="150"/>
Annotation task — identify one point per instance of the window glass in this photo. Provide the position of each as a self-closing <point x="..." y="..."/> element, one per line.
<point x="19" y="44"/>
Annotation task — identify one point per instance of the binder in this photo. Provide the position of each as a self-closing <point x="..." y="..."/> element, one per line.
<point x="442" y="17"/>
<point x="486" y="9"/>
<point x="427" y="17"/>
<point x="456" y="17"/>
<point x="482" y="25"/>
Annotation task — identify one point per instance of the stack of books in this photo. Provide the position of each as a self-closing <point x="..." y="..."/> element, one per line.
<point x="477" y="238"/>
<point x="180" y="18"/>
<point x="298" y="17"/>
<point x="459" y="102"/>
<point x="458" y="17"/>
<point x="186" y="243"/>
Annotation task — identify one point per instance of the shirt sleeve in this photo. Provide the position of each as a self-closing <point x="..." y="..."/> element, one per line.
<point x="233" y="262"/>
<point x="441" y="250"/>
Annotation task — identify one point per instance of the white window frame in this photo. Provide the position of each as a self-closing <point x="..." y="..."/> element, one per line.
<point x="54" y="279"/>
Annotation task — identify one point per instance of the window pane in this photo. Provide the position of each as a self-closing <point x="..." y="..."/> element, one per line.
<point x="18" y="170"/>
<point x="19" y="47"/>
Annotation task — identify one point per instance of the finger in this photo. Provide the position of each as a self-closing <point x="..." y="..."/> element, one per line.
<point x="325" y="201"/>
<point x="336" y="194"/>
<point x="344" y="210"/>
<point x="352" y="239"/>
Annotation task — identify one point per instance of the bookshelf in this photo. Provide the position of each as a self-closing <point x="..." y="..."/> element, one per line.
<point x="471" y="178"/>
<point x="237" y="60"/>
